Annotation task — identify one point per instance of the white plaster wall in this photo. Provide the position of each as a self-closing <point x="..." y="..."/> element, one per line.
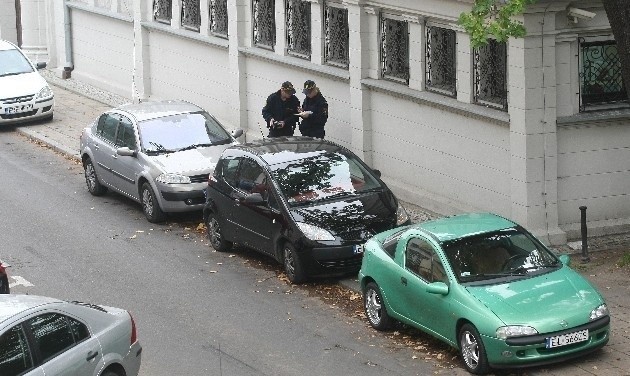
<point x="103" y="51"/>
<point x="447" y="154"/>
<point x="181" y="68"/>
<point x="8" y="29"/>
<point x="593" y="170"/>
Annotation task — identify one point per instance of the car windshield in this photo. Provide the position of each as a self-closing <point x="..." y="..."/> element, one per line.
<point x="181" y="132"/>
<point x="12" y="62"/>
<point x="509" y="253"/>
<point x="323" y="176"/>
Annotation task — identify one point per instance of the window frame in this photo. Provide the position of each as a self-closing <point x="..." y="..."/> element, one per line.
<point x="256" y="23"/>
<point x="451" y="87"/>
<point x="502" y="104"/>
<point x="344" y="61"/>
<point x="383" y="45"/>
<point x="289" y="31"/>
<point x="169" y="11"/>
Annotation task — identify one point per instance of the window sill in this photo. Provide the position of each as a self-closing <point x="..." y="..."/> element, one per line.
<point x="185" y="33"/>
<point x="100" y="11"/>
<point x="437" y="100"/>
<point x="294" y="62"/>
<point x="602" y="116"/>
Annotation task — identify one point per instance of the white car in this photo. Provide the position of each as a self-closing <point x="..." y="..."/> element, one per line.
<point x="41" y="336"/>
<point x="24" y="93"/>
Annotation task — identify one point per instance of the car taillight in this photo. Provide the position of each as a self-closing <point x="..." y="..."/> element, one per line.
<point x="134" y="335"/>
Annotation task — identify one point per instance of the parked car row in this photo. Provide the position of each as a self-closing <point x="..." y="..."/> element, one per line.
<point x="479" y="282"/>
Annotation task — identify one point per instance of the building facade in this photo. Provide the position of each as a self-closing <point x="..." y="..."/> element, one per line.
<point x="530" y="129"/>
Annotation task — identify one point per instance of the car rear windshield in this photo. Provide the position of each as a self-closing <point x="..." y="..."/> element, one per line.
<point x="509" y="253"/>
<point x="182" y="131"/>
<point x="13" y="62"/>
<point x="323" y="176"/>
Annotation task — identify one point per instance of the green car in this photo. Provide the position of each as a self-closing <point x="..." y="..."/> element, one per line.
<point x="486" y="286"/>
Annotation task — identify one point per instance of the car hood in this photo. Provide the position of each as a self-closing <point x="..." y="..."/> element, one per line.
<point x="21" y="84"/>
<point x="549" y="302"/>
<point x="188" y="162"/>
<point x="352" y="219"/>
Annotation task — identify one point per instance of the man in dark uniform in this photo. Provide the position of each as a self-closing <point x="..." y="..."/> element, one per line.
<point x="280" y="111"/>
<point x="314" y="111"/>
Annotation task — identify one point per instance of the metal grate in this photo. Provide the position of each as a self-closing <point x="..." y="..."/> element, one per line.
<point x="24" y="98"/>
<point x="337" y="36"/>
<point x="162" y="11"/>
<point x="440" y="58"/>
<point x="490" y="75"/>
<point x="191" y="19"/>
<point x="298" y="20"/>
<point x="264" y="23"/>
<point x="601" y="81"/>
<point x="395" y="50"/>
<point x="219" y="18"/>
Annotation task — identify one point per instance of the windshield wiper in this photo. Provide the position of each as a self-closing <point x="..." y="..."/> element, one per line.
<point x="524" y="269"/>
<point x="157" y="152"/>
<point x="195" y="146"/>
<point x="10" y="74"/>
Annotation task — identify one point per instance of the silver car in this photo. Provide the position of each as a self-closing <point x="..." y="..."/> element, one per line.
<point x="45" y="336"/>
<point x="156" y="153"/>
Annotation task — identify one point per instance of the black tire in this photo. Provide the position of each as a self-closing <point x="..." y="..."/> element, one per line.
<point x="91" y="179"/>
<point x="110" y="373"/>
<point x="292" y="265"/>
<point x="150" y="206"/>
<point x="215" y="234"/>
<point x="375" y="309"/>
<point x="472" y="350"/>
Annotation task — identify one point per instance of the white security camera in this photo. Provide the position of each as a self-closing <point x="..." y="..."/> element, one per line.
<point x="576" y="13"/>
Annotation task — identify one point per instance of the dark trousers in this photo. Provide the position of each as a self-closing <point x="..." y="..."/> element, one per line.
<point x="317" y="132"/>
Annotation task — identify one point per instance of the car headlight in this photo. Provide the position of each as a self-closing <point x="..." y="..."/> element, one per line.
<point x="314" y="232"/>
<point x="401" y="215"/>
<point x="173" y="179"/>
<point x="515" y="331"/>
<point x="44" y="93"/>
<point x="599" y="312"/>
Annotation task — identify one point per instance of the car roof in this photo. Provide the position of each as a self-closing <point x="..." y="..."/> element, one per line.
<point x="5" y="45"/>
<point x="464" y="225"/>
<point x="157" y="109"/>
<point x="286" y="149"/>
<point x="12" y="304"/>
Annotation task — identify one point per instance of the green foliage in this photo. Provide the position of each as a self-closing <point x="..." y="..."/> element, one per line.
<point x="493" y="18"/>
<point x="624" y="260"/>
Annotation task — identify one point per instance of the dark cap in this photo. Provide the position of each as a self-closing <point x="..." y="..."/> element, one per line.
<point x="308" y="86"/>
<point x="287" y="86"/>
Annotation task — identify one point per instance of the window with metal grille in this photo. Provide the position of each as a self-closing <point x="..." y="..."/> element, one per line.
<point x="162" y="11"/>
<point x="601" y="82"/>
<point x="337" y="35"/>
<point x="440" y="61"/>
<point x="394" y="49"/>
<point x="490" y="74"/>
<point x="219" y="18"/>
<point x="191" y="19"/>
<point x="263" y="12"/>
<point x="298" y="21"/>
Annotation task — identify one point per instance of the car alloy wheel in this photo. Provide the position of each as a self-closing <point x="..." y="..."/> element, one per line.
<point x="375" y="308"/>
<point x="150" y="206"/>
<point x="217" y="240"/>
<point x="472" y="350"/>
<point x="91" y="180"/>
<point x="292" y="265"/>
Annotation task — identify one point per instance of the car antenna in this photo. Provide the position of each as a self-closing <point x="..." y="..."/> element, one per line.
<point x="261" y="131"/>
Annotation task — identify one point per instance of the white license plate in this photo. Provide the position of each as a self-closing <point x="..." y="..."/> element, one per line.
<point x="567" y="339"/>
<point x="18" y="108"/>
<point x="358" y="249"/>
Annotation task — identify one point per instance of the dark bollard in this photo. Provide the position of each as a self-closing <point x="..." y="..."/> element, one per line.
<point x="585" y="257"/>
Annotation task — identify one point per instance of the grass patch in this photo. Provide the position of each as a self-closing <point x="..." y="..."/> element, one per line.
<point x="624" y="260"/>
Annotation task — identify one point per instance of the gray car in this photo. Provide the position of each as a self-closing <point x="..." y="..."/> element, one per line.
<point x="46" y="336"/>
<point x="156" y="153"/>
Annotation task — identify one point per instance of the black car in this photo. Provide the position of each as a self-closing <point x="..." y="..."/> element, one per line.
<point x="309" y="203"/>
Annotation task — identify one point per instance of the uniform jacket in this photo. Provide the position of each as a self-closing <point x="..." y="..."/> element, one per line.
<point x="279" y="110"/>
<point x="319" y="107"/>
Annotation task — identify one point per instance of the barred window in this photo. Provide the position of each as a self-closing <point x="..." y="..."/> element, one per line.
<point x="440" y="61"/>
<point x="264" y="23"/>
<point x="162" y="11"/>
<point x="191" y="19"/>
<point x="298" y="21"/>
<point x="395" y="49"/>
<point x="219" y="18"/>
<point x="490" y="74"/>
<point x="337" y="35"/>
<point x="601" y="82"/>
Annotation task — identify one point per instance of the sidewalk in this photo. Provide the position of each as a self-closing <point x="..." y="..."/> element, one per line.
<point x="78" y="104"/>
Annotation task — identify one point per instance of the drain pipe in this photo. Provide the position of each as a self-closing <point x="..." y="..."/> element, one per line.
<point x="67" y="28"/>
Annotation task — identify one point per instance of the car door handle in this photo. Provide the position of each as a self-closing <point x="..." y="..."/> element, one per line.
<point x="403" y="280"/>
<point x="237" y="202"/>
<point x="91" y="355"/>
<point x="95" y="147"/>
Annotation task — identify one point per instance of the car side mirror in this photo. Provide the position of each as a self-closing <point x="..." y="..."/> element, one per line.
<point x="41" y="65"/>
<point x="565" y="259"/>
<point x="377" y="173"/>
<point x="126" y="152"/>
<point x="237" y="133"/>
<point x="254" y="199"/>
<point x="439" y="288"/>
